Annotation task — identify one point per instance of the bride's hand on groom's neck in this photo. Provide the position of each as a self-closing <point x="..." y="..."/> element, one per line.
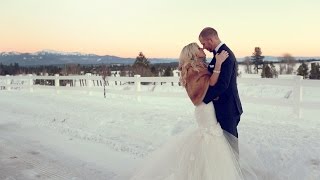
<point x="221" y="57"/>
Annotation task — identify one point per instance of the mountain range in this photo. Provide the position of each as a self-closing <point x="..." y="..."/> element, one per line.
<point x="51" y="57"/>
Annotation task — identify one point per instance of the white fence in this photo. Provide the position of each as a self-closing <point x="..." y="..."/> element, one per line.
<point x="91" y="84"/>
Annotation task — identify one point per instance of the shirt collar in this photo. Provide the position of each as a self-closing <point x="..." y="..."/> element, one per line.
<point x="217" y="48"/>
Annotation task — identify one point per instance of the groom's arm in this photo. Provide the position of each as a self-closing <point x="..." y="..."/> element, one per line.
<point x="215" y="91"/>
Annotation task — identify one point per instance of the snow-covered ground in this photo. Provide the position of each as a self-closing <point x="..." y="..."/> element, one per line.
<point x="73" y="135"/>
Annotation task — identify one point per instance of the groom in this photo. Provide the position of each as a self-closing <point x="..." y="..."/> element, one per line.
<point x="224" y="94"/>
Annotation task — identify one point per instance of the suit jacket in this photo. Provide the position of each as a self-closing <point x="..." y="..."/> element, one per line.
<point x="224" y="94"/>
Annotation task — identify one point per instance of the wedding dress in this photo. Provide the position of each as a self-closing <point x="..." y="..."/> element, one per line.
<point x="204" y="153"/>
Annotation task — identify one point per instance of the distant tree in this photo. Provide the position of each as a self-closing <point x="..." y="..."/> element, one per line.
<point x="315" y="71"/>
<point x="289" y="61"/>
<point x="168" y="71"/>
<point x="303" y="70"/>
<point x="130" y="73"/>
<point x="13" y="69"/>
<point x="266" y="71"/>
<point x="104" y="73"/>
<point x="64" y="70"/>
<point x="154" y="71"/>
<point x="141" y="66"/>
<point x="1" y="69"/>
<point x="73" y="69"/>
<point x="123" y="71"/>
<point x="257" y="59"/>
<point x="269" y="71"/>
<point x="142" y="60"/>
<point x="274" y="72"/>
<point x="247" y="63"/>
<point x="283" y="68"/>
<point x="44" y="70"/>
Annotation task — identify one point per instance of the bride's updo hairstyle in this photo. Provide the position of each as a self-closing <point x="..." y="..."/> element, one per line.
<point x="187" y="56"/>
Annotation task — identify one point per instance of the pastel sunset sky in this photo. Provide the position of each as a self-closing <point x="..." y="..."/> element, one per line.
<point x="159" y="28"/>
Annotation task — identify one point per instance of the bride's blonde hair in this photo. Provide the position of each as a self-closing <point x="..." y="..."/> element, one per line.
<point x="187" y="56"/>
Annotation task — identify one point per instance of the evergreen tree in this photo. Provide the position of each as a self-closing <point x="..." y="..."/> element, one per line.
<point x="266" y="71"/>
<point x="257" y="59"/>
<point x="141" y="66"/>
<point x="303" y="70"/>
<point x="315" y="71"/>
<point x="141" y="60"/>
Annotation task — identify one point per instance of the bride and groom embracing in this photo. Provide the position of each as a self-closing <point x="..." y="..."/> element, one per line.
<point x="211" y="151"/>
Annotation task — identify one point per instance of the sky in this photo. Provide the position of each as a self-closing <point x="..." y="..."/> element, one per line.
<point x="159" y="28"/>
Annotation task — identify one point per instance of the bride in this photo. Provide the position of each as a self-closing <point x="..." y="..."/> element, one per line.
<point x="207" y="152"/>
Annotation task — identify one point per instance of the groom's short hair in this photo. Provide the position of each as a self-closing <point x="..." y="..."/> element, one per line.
<point x="208" y="32"/>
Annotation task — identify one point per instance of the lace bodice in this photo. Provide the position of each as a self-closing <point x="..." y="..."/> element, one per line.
<point x="206" y="118"/>
<point x="205" y="115"/>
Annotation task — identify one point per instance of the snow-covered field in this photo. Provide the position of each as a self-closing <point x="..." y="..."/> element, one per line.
<point x="73" y="135"/>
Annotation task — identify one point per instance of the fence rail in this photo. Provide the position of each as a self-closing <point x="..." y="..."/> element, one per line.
<point x="91" y="83"/>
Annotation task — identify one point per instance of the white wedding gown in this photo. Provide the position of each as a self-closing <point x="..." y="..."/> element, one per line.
<point x="205" y="153"/>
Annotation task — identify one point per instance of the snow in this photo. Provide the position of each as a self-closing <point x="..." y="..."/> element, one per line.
<point x="73" y="135"/>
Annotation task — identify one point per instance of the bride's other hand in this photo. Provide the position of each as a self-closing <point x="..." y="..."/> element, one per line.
<point x="221" y="57"/>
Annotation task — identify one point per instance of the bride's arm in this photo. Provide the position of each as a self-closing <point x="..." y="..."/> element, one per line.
<point x="220" y="58"/>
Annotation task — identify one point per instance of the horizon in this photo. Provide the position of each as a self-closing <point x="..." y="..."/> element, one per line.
<point x="159" y="29"/>
<point x="81" y="53"/>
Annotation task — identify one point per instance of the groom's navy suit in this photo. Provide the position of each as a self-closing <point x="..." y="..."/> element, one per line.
<point x="224" y="94"/>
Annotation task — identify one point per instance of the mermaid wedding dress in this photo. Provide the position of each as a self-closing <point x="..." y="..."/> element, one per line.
<point x="204" y="153"/>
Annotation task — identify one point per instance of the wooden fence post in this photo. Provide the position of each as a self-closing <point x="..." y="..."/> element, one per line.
<point x="137" y="84"/>
<point x="8" y="82"/>
<point x="56" y="82"/>
<point x="89" y="83"/>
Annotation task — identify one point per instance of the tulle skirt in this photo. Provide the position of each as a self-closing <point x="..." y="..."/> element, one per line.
<point x="202" y="154"/>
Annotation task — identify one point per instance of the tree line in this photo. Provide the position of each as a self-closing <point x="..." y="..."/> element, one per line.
<point x="286" y="66"/>
<point x="141" y="66"/>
